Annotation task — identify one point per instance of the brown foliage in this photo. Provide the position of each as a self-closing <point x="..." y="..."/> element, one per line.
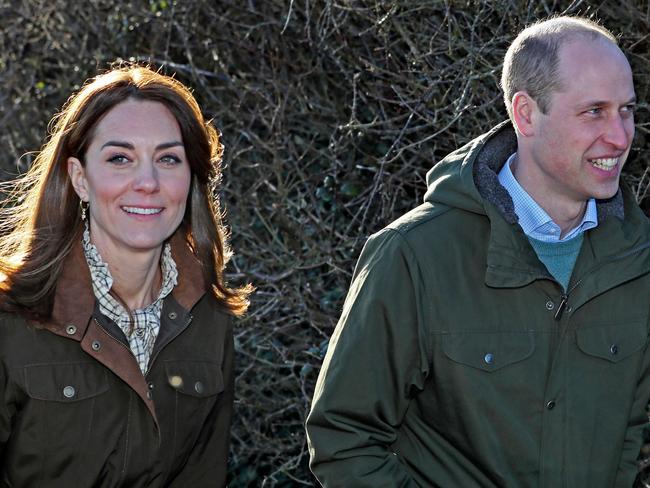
<point x="331" y="112"/>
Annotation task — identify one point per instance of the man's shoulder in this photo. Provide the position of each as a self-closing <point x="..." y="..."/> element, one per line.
<point x="431" y="217"/>
<point x="422" y="215"/>
<point x="430" y="229"/>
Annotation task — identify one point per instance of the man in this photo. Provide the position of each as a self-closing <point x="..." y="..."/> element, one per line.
<point x="497" y="335"/>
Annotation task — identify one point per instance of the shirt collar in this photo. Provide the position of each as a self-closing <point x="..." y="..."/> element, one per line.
<point x="102" y="280"/>
<point x="534" y="221"/>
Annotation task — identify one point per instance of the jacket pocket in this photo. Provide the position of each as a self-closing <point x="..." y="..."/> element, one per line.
<point x="65" y="382"/>
<point x="612" y="342"/>
<point x="195" y="386"/>
<point x="488" y="351"/>
<point x="199" y="379"/>
<point x="59" y="419"/>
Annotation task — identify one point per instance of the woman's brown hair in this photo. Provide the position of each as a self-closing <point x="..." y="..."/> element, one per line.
<point x="41" y="222"/>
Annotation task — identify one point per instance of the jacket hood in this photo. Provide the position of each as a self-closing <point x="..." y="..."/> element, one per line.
<point x="467" y="179"/>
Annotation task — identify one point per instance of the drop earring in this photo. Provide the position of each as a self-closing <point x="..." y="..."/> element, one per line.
<point x="83" y="205"/>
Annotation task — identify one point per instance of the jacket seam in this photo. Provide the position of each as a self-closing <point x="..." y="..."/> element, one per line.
<point x="404" y="228"/>
<point x="428" y="333"/>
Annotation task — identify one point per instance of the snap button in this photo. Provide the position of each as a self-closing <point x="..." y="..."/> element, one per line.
<point x="68" y="391"/>
<point x="71" y="329"/>
<point x="198" y="387"/>
<point x="488" y="358"/>
<point x="613" y="349"/>
<point x="150" y="385"/>
<point x="569" y="309"/>
<point x="176" y="381"/>
<point x="139" y="332"/>
<point x="96" y="345"/>
<point x="550" y="305"/>
<point x="550" y="405"/>
<point x="172" y="315"/>
<point x="149" y="395"/>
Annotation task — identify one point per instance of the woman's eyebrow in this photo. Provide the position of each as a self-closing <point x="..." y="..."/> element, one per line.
<point x="128" y="145"/>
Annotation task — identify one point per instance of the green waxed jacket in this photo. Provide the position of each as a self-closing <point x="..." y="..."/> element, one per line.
<point x="459" y="361"/>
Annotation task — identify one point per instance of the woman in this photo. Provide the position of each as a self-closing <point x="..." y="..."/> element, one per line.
<point x="116" y="347"/>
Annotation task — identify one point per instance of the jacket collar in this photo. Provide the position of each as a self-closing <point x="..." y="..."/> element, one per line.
<point x="488" y="156"/>
<point x="511" y="261"/>
<point x="74" y="301"/>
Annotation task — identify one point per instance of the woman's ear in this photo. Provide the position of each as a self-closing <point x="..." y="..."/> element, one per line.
<point x="77" y="176"/>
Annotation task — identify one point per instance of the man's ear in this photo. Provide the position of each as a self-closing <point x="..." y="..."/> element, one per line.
<point x="77" y="175"/>
<point x="523" y="110"/>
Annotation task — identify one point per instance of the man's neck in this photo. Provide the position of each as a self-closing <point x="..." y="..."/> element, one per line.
<point x="567" y="213"/>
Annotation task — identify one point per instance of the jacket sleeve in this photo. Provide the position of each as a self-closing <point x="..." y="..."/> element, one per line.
<point x="628" y="467"/>
<point x="377" y="358"/>
<point x="207" y="463"/>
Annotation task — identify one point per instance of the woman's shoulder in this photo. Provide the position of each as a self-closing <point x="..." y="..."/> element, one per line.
<point x="209" y="306"/>
<point x="10" y="318"/>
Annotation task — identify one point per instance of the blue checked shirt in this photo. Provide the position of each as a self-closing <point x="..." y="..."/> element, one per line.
<point x="534" y="221"/>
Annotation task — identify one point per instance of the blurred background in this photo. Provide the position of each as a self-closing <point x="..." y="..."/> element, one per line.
<point x="331" y="112"/>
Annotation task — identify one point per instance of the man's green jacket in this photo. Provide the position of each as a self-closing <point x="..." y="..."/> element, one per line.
<point x="459" y="361"/>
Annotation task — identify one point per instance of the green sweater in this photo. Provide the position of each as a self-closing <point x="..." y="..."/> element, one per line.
<point x="558" y="257"/>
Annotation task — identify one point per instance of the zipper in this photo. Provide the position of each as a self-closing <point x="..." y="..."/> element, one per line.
<point x="157" y="353"/>
<point x="612" y="259"/>
<point x="561" y="306"/>
<point x="107" y="333"/>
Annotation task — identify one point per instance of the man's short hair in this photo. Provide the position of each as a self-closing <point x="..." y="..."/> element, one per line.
<point x="532" y="61"/>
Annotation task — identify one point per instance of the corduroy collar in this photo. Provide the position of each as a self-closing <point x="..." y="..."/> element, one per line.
<point x="74" y="301"/>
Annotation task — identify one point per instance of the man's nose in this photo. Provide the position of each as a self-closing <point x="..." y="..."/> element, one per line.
<point x="619" y="132"/>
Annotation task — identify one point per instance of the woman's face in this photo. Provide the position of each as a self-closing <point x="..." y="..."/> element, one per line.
<point x="136" y="179"/>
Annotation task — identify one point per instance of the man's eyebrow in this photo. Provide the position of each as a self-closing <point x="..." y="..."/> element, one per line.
<point x="128" y="145"/>
<point x="601" y="103"/>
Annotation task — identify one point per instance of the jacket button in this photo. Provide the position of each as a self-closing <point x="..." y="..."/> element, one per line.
<point x="488" y="358"/>
<point x="550" y="305"/>
<point x="150" y="385"/>
<point x="71" y="329"/>
<point x="176" y="381"/>
<point x="550" y="405"/>
<point x="613" y="349"/>
<point x="172" y="315"/>
<point x="198" y="387"/>
<point x="149" y="395"/>
<point x="96" y="345"/>
<point x="139" y="332"/>
<point x="68" y="391"/>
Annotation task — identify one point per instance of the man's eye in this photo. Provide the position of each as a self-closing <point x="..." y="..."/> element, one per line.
<point x="595" y="111"/>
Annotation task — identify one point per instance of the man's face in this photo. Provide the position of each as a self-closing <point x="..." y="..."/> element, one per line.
<point x="580" y="145"/>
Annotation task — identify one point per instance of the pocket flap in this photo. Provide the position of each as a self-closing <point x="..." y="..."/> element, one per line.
<point x="488" y="351"/>
<point x="65" y="382"/>
<point x="613" y="342"/>
<point x="195" y="378"/>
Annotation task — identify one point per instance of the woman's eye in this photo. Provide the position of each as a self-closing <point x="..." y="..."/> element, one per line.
<point x="118" y="159"/>
<point x="170" y="159"/>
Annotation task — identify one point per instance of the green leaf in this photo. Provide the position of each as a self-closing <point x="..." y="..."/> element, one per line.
<point x="350" y="189"/>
